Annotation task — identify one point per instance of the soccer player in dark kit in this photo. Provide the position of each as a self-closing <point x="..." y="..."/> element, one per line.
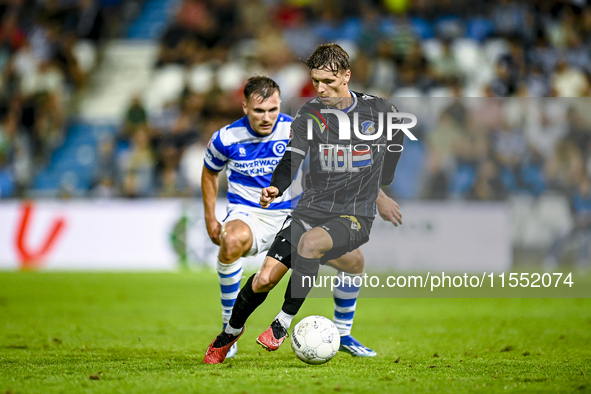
<point x="250" y="149"/>
<point x="354" y="147"/>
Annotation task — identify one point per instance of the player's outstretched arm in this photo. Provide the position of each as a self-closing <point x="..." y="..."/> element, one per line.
<point x="388" y="209"/>
<point x="209" y="191"/>
<point x="268" y="195"/>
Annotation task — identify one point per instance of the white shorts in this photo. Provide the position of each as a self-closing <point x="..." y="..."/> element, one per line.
<point x="264" y="224"/>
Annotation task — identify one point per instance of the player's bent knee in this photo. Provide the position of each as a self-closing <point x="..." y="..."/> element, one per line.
<point x="357" y="264"/>
<point x="313" y="246"/>
<point x="235" y="244"/>
<point x="232" y="246"/>
<point x="263" y="283"/>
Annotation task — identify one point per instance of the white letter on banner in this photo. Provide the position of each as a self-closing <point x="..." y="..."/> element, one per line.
<point x="401" y="126"/>
<point x="344" y="124"/>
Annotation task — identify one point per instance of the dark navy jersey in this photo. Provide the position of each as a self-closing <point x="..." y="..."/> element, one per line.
<point x="346" y="174"/>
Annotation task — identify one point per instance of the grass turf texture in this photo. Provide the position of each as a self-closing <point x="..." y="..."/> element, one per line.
<point x="147" y="332"/>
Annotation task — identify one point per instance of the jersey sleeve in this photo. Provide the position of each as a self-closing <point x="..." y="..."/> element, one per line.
<point x="299" y="142"/>
<point x="391" y="158"/>
<point x="215" y="154"/>
<point x="295" y="152"/>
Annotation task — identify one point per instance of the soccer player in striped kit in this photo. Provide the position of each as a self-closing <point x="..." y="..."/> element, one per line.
<point x="315" y="234"/>
<point x="250" y="148"/>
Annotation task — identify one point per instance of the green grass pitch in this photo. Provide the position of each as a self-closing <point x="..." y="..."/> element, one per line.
<point x="147" y="333"/>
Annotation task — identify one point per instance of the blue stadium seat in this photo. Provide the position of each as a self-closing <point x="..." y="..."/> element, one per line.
<point x="450" y="26"/>
<point x="74" y="162"/>
<point x="422" y="28"/>
<point x="479" y="29"/>
<point x="6" y="184"/>
<point x="509" y="180"/>
<point x="46" y="180"/>
<point x="408" y="172"/>
<point x="533" y="179"/>
<point x="461" y="180"/>
<point x="152" y="20"/>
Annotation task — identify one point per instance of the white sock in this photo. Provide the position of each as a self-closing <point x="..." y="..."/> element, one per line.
<point x="232" y="331"/>
<point x="229" y="276"/>
<point x="345" y="301"/>
<point x="285" y="319"/>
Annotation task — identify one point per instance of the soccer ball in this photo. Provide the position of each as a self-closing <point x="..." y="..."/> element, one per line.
<point x="315" y="340"/>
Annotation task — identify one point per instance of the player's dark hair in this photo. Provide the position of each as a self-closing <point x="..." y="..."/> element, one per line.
<point x="260" y="86"/>
<point x="331" y="57"/>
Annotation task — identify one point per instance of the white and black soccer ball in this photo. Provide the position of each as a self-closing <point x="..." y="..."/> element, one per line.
<point x="315" y="340"/>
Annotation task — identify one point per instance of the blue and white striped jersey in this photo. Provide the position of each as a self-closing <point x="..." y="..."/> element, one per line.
<point x="251" y="160"/>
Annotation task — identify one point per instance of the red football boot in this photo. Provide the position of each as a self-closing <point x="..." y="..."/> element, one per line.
<point x="218" y="350"/>
<point x="273" y="337"/>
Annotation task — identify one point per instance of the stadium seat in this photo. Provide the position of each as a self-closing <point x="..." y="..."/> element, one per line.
<point x="509" y="180"/>
<point x="349" y="29"/>
<point x="450" y="26"/>
<point x="440" y="92"/>
<point x="467" y="54"/>
<point x="86" y="55"/>
<point x="166" y="85"/>
<point x="200" y="78"/>
<point x="432" y="49"/>
<point x="461" y="180"/>
<point x="152" y="20"/>
<point x="494" y="48"/>
<point x="533" y="179"/>
<point x="73" y="165"/>
<point x="422" y="28"/>
<point x="6" y="183"/>
<point x="479" y="29"/>
<point x="406" y="184"/>
<point x="231" y="76"/>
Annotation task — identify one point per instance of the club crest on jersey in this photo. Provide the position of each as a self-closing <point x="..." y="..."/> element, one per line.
<point x="279" y="148"/>
<point x="355" y="225"/>
<point x="338" y="158"/>
<point x="368" y="127"/>
<point x="242" y="151"/>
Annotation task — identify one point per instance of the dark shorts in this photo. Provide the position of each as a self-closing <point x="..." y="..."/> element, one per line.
<point x="348" y="233"/>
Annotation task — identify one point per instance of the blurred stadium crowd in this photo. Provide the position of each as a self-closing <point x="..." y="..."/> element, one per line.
<point x="47" y="51"/>
<point x="514" y="53"/>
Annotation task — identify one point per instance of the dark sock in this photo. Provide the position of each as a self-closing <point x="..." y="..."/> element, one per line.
<point x="298" y="289"/>
<point x="291" y="304"/>
<point x="246" y="302"/>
